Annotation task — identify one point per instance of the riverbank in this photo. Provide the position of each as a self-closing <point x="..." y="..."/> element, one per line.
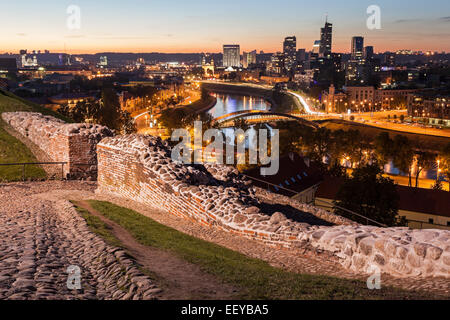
<point x="200" y="106"/>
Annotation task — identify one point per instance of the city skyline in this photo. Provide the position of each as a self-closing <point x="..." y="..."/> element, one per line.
<point x="204" y="27"/>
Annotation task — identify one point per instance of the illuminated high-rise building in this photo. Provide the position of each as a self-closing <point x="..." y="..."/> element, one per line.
<point x="357" y="48"/>
<point x="326" y="40"/>
<point x="248" y="58"/>
<point x="231" y="55"/>
<point x="290" y="52"/>
<point x="368" y="53"/>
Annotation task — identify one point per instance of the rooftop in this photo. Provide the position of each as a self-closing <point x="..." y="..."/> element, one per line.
<point x="295" y="173"/>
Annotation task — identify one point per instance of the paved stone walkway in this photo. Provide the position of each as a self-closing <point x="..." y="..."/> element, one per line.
<point x="41" y="238"/>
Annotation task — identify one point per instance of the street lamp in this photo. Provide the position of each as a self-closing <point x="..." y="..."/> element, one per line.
<point x="438" y="170"/>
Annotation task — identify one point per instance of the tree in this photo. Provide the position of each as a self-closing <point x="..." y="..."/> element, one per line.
<point x="241" y="124"/>
<point x="384" y="148"/>
<point x="321" y="139"/>
<point x="173" y="119"/>
<point x="84" y="111"/>
<point x="110" y="113"/>
<point x="106" y="112"/>
<point x="424" y="161"/>
<point x="128" y="123"/>
<point x="369" y="194"/>
<point x="403" y="155"/>
<point x="438" y="185"/>
<point x="445" y="162"/>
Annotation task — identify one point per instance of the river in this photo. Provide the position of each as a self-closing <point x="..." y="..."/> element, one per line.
<point x="229" y="103"/>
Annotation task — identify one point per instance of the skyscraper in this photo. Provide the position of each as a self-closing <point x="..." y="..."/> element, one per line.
<point x="231" y="55"/>
<point x="316" y="47"/>
<point x="357" y="68"/>
<point x="326" y="40"/>
<point x="368" y="53"/>
<point x="277" y="63"/>
<point x="290" y="52"/>
<point x="357" y="48"/>
<point x="248" y="58"/>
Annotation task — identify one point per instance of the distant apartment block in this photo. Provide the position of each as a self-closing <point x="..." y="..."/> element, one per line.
<point x="432" y="105"/>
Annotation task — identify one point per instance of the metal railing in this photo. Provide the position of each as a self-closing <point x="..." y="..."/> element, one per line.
<point x="318" y="200"/>
<point x="24" y="164"/>
<point x="424" y="224"/>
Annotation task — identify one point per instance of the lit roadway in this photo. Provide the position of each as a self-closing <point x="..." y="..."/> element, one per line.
<point x="305" y="105"/>
<point x="378" y="119"/>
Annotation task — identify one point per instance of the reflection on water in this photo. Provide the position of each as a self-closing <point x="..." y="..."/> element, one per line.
<point x="229" y="103"/>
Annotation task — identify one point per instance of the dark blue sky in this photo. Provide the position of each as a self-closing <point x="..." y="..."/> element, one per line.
<point x="201" y="25"/>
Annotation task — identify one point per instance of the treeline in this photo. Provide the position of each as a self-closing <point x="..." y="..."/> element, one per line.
<point x="366" y="191"/>
<point x="331" y="149"/>
<point x="106" y="111"/>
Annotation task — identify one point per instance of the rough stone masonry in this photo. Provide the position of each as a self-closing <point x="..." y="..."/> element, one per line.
<point x="72" y="143"/>
<point x="140" y="168"/>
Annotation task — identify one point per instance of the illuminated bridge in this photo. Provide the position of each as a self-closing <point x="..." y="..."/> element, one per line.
<point x="258" y="116"/>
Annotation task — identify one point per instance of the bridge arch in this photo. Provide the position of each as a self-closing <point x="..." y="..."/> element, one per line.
<point x="255" y="114"/>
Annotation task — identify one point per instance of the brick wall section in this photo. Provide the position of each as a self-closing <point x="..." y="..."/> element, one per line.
<point x="139" y="168"/>
<point x="75" y="144"/>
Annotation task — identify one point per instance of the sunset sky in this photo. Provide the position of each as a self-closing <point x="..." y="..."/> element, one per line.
<point x="204" y="26"/>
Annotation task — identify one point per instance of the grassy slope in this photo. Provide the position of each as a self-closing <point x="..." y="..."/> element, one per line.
<point x="10" y="103"/>
<point x="257" y="278"/>
<point x="11" y="149"/>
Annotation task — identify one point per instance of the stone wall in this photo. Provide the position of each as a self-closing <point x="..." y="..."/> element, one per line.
<point x="140" y="168"/>
<point x="75" y="144"/>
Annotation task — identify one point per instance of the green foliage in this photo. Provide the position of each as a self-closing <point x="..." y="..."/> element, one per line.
<point x="384" y="148"/>
<point x="241" y="124"/>
<point x="445" y="162"/>
<point x="369" y="194"/>
<point x="403" y="155"/>
<point x="109" y="112"/>
<point x="424" y="161"/>
<point x="12" y="103"/>
<point x="82" y="112"/>
<point x="173" y="118"/>
<point x="106" y="112"/>
<point x="14" y="151"/>
<point x="11" y="149"/>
